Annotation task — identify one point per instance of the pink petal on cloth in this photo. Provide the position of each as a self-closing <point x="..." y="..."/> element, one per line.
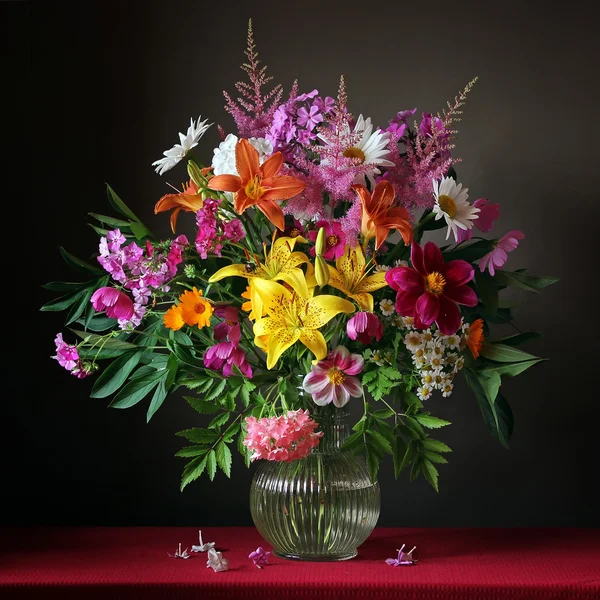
<point x="428" y="307"/>
<point x="432" y="258"/>
<point x="461" y="294"/>
<point x="458" y="272"/>
<point x="448" y="320"/>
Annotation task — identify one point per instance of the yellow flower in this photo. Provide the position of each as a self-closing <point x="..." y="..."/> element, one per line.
<point x="352" y="278"/>
<point x="290" y="318"/>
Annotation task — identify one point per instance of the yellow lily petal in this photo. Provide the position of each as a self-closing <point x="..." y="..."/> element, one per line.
<point x="315" y="342"/>
<point x="364" y="301"/>
<point x="238" y="270"/>
<point x="279" y="341"/>
<point x="373" y="282"/>
<point x="321" y="309"/>
<point x="295" y="278"/>
<point x="272" y="294"/>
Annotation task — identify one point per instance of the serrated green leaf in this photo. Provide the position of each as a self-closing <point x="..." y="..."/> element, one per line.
<point x="216" y="391"/>
<point x="433" y="457"/>
<point x="232" y="431"/>
<point x="430" y="421"/>
<point x="211" y="465"/>
<point x="398" y="452"/>
<point x="430" y="473"/>
<point x="353" y="442"/>
<point x="193" y="470"/>
<point x="198" y="436"/>
<point x="202" y="406"/>
<point x="114" y="376"/>
<point x="384" y="413"/>
<point x="504" y="353"/>
<point x="219" y="420"/>
<point x="223" y="455"/>
<point x="191" y="451"/>
<point x="435" y="445"/>
<point x="379" y="442"/>
<point x="136" y="390"/>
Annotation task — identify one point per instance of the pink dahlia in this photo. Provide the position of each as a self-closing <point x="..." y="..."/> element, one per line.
<point x="333" y="378"/>
<point x="364" y="326"/>
<point x="116" y="304"/>
<point x="431" y="289"/>
<point x="284" y="438"/>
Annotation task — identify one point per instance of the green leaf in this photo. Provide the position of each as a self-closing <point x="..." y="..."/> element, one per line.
<point x="78" y="264"/>
<point x="524" y="280"/>
<point x="136" y="390"/>
<point x="353" y="442"/>
<point x="157" y="399"/>
<point x="223" y="454"/>
<point x="59" y="304"/>
<point x="490" y="383"/>
<point x="487" y="292"/>
<point x="470" y="251"/>
<point x="433" y="457"/>
<point x="139" y="230"/>
<point x="430" y="473"/>
<point x="172" y="365"/>
<point x="82" y="301"/>
<point x="114" y="376"/>
<point x="504" y="353"/>
<point x="520" y="338"/>
<point x="512" y="369"/>
<point x="191" y="451"/>
<point x="430" y="421"/>
<point x="118" y="204"/>
<point x="198" y="436"/>
<point x="68" y="286"/>
<point x="232" y="431"/>
<point x="115" y="223"/>
<point x="384" y="413"/>
<point x="211" y="465"/>
<point x="219" y="420"/>
<point x="202" y="406"/>
<point x="372" y="464"/>
<point x="99" y="323"/>
<point x="399" y="452"/>
<point x="193" y="470"/>
<point x="435" y="445"/>
<point x="379" y="442"/>
<point x="217" y="391"/>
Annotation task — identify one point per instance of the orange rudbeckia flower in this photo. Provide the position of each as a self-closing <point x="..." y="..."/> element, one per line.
<point x="379" y="214"/>
<point x="189" y="200"/>
<point x="258" y="185"/>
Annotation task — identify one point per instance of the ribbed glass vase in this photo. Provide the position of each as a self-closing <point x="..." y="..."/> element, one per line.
<point x="321" y="507"/>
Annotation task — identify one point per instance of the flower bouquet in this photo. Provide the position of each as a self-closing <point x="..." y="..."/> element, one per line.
<point x="307" y="284"/>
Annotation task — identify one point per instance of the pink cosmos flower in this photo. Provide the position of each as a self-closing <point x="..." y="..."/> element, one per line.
<point x="222" y="357"/>
<point x="335" y="239"/>
<point x="364" y="326"/>
<point x="431" y="289"/>
<point x="498" y="256"/>
<point x="116" y="304"/>
<point x="333" y="378"/>
<point x="488" y="213"/>
<point x="284" y="438"/>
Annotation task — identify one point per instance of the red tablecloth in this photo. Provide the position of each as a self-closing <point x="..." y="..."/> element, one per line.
<point x="88" y="563"/>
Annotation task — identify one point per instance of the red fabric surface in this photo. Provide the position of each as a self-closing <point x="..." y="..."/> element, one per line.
<point x="88" y="563"/>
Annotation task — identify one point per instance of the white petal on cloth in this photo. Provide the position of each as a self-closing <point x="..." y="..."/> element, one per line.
<point x="216" y="561"/>
<point x="202" y="547"/>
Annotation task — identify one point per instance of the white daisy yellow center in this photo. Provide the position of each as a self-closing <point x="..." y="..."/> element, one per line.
<point x="354" y="152"/>
<point x="447" y="204"/>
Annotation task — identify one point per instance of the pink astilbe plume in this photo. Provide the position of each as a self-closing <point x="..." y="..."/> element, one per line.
<point x="351" y="223"/>
<point x="253" y="111"/>
<point x="308" y="204"/>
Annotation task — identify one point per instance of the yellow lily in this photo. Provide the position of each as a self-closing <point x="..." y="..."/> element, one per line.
<point x="351" y="277"/>
<point x="290" y="318"/>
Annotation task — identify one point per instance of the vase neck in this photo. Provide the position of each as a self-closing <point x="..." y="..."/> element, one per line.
<point x="333" y="422"/>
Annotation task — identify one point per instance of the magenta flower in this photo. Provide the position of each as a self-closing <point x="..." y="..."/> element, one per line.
<point x="364" y="326"/>
<point x="116" y="304"/>
<point x="309" y="118"/>
<point x="427" y="124"/>
<point x="229" y="328"/>
<point x="66" y="355"/>
<point x="498" y="256"/>
<point x="260" y="557"/>
<point x="488" y="213"/>
<point x="333" y="378"/>
<point x="403" y="116"/>
<point x="335" y="239"/>
<point x="431" y="289"/>
<point x="284" y="438"/>
<point x="222" y="357"/>
<point x="324" y="104"/>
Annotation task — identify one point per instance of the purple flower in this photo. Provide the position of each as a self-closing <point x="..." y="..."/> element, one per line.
<point x="308" y="96"/>
<point x="333" y="379"/>
<point x="229" y="328"/>
<point x="259" y="557"/>
<point x="309" y="118"/>
<point x="222" y="357"/>
<point x="396" y="129"/>
<point x="498" y="256"/>
<point x="364" y="326"/>
<point x="234" y="230"/>
<point x="115" y="240"/>
<point x="132" y="253"/>
<point x="403" y="559"/>
<point x="403" y="116"/>
<point x="116" y="304"/>
<point x="324" y="105"/>
<point x="66" y="355"/>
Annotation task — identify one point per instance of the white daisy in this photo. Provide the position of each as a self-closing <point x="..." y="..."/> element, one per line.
<point x="223" y="162"/>
<point x="397" y="321"/>
<point x="186" y="143"/>
<point x="452" y="341"/>
<point x="414" y="341"/>
<point x="424" y="393"/>
<point x="419" y="357"/>
<point x="370" y="149"/>
<point x="428" y="336"/>
<point x="387" y="307"/>
<point x="439" y="379"/>
<point x="460" y="363"/>
<point x="408" y="322"/>
<point x="381" y="268"/>
<point x="436" y="362"/>
<point x="451" y="204"/>
<point x="447" y="389"/>
<point x="427" y="378"/>
<point x="401" y="263"/>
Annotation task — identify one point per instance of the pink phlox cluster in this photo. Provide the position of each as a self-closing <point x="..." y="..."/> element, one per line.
<point x="138" y="271"/>
<point x="284" y="438"/>
<point x="254" y="109"/>
<point x="68" y="358"/>
<point x="213" y="232"/>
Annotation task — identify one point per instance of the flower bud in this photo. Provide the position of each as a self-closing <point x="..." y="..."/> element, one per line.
<point x="320" y="243"/>
<point x="321" y="270"/>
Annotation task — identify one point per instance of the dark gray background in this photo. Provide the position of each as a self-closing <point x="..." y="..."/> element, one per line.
<point x="113" y="83"/>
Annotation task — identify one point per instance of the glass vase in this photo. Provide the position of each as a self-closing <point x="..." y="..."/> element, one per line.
<point x="321" y="507"/>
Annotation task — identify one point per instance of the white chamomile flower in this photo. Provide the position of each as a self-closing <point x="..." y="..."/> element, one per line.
<point x="436" y="350"/>
<point x="401" y="263"/>
<point x="408" y="322"/>
<point x="428" y="336"/>
<point x="223" y="162"/>
<point x="452" y="342"/>
<point x="370" y="149"/>
<point x="414" y="341"/>
<point x="451" y="204"/>
<point x="419" y="359"/>
<point x="451" y="358"/>
<point x="439" y="379"/>
<point x="387" y="307"/>
<point x="447" y="389"/>
<point x="382" y="268"/>
<point x="186" y="143"/>
<point x="436" y="362"/>
<point x="460" y="363"/>
<point x="427" y="378"/>
<point x="424" y="392"/>
<point x="397" y="321"/>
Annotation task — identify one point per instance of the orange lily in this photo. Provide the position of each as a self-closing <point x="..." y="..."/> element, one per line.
<point x="379" y="214"/>
<point x="189" y="200"/>
<point x="258" y="185"/>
